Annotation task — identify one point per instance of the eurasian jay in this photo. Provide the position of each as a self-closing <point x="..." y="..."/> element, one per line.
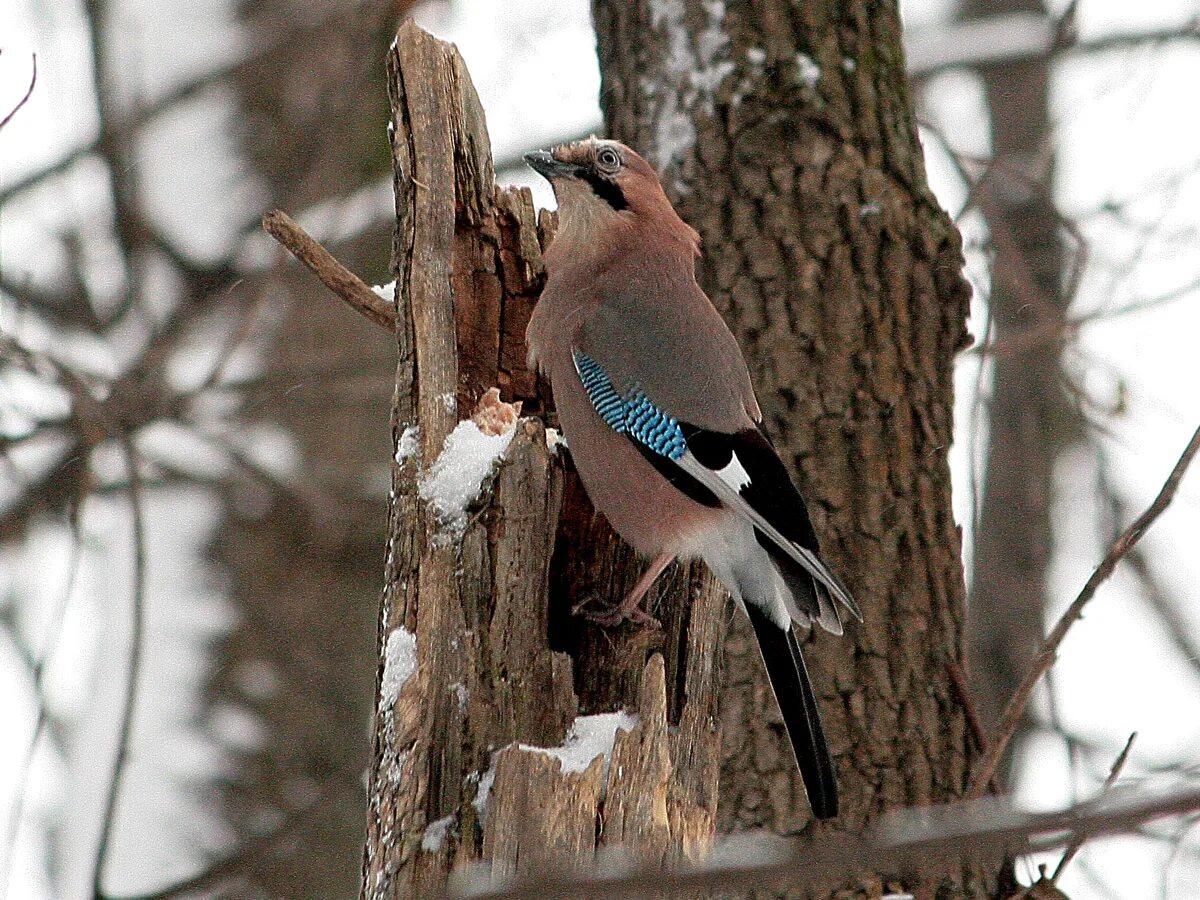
<point x="656" y="405"/>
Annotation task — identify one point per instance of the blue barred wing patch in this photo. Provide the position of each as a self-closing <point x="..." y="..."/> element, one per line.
<point x="630" y="412"/>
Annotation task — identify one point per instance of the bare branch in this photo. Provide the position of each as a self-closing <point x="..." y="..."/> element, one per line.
<point x="1113" y="774"/>
<point x="963" y="832"/>
<point x="332" y="273"/>
<point x="25" y="99"/>
<point x="1048" y="652"/>
<point x="958" y="679"/>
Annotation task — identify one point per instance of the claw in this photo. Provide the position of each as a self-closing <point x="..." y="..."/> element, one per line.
<point x="613" y="615"/>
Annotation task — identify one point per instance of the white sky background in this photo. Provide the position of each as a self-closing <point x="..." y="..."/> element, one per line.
<point x="1127" y="128"/>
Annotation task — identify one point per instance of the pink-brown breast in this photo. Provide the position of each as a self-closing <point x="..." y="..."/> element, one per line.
<point x="640" y="504"/>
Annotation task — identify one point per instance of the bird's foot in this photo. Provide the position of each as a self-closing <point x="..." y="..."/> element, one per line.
<point x="612" y="615"/>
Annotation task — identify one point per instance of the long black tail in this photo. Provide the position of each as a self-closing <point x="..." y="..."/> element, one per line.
<point x="794" y="694"/>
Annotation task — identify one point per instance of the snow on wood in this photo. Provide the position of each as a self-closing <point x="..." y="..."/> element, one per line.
<point x="400" y="661"/>
<point x="409" y="444"/>
<point x="435" y="834"/>
<point x="554" y="440"/>
<point x="469" y="456"/>
<point x="587" y="738"/>
<point x="699" y="68"/>
<point x="807" y="69"/>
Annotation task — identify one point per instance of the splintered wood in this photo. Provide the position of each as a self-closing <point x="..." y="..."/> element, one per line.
<point x="457" y="777"/>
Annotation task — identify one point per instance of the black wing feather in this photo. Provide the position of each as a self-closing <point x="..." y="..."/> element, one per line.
<point x="770" y="490"/>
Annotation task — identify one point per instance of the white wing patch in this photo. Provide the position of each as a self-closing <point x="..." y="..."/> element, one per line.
<point x="734" y="474"/>
<point x="726" y="490"/>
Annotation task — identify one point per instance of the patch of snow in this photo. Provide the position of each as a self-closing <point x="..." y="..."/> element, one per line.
<point x="435" y="834"/>
<point x="807" y="69"/>
<point x="409" y="444"/>
<point x="587" y="738"/>
<point x="386" y="291"/>
<point x="849" y="65"/>
<point x="868" y="209"/>
<point x="756" y="56"/>
<point x="457" y="475"/>
<point x="463" y="695"/>
<point x="450" y="401"/>
<point x="399" y="662"/>
<point x="698" y="68"/>
<point x="554" y="440"/>
<point x="484" y="792"/>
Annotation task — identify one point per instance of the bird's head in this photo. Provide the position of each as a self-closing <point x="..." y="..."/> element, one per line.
<point x="604" y="187"/>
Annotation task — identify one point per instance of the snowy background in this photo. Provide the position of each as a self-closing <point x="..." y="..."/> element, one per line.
<point x="1127" y="138"/>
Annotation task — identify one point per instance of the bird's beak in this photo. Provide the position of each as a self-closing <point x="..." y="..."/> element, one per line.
<point x="547" y="166"/>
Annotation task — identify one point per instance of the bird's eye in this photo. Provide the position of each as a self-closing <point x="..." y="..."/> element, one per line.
<point x="608" y="159"/>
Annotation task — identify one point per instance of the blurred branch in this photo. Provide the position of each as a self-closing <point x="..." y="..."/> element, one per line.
<point x="958" y="679"/>
<point x="148" y="112"/>
<point x="1048" y="652"/>
<point x="93" y="414"/>
<point x="332" y="273"/>
<point x="125" y="733"/>
<point x="25" y="99"/>
<point x="1155" y="594"/>
<point x="115" y="148"/>
<point x="948" y="834"/>
<point x="249" y="854"/>
<point x="237" y="336"/>
<point x="1004" y="40"/>
<point x="1113" y="774"/>
<point x="37" y="676"/>
<point x="1056" y="331"/>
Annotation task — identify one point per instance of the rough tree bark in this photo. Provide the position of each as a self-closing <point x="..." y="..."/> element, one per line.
<point x="787" y="139"/>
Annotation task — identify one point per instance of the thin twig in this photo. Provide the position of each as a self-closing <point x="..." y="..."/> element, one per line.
<point x="1048" y="652"/>
<point x="332" y="273"/>
<point x="238" y="335"/>
<point x="1113" y="774"/>
<point x="125" y="732"/>
<point x="966" y="699"/>
<point x="25" y="99"/>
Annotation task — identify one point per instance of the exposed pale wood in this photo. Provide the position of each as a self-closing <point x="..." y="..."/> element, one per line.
<point x="500" y="663"/>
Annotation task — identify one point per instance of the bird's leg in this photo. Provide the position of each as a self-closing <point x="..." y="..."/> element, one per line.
<point x="628" y="609"/>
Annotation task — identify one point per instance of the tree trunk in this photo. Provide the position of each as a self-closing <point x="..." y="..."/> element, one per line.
<point x="786" y="137"/>
<point x="1029" y="422"/>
